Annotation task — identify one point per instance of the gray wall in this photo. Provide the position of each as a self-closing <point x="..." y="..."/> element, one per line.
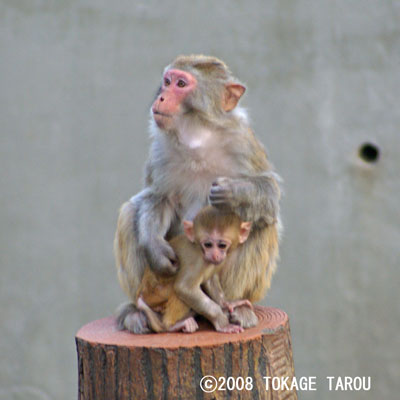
<point x="77" y="78"/>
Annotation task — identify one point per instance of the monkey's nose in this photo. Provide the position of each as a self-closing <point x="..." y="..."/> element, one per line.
<point x="215" y="257"/>
<point x="161" y="99"/>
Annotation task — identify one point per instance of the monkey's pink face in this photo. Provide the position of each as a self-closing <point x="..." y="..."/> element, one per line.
<point x="215" y="249"/>
<point x="176" y="86"/>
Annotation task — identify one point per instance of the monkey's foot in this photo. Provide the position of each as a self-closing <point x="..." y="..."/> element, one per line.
<point x="244" y="316"/>
<point x="131" y="319"/>
<point x="231" y="328"/>
<point x="188" y="325"/>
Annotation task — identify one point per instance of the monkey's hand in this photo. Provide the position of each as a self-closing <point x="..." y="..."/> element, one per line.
<point x="231" y="305"/>
<point x="223" y="194"/>
<point x="253" y="198"/>
<point x="161" y="258"/>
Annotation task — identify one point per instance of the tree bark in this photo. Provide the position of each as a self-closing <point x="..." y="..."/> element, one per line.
<point x="120" y="365"/>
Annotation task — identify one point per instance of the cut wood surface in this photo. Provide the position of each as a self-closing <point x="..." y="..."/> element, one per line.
<point x="119" y="365"/>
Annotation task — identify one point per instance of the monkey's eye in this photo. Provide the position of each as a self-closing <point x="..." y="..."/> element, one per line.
<point x="167" y="82"/>
<point x="222" y="246"/>
<point x="208" y="245"/>
<point x="181" y="83"/>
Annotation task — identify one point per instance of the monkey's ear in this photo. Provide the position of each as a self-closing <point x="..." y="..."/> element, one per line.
<point x="231" y="96"/>
<point x="188" y="229"/>
<point x="244" y="232"/>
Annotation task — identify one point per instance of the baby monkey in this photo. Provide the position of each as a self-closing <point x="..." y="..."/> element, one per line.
<point x="203" y="251"/>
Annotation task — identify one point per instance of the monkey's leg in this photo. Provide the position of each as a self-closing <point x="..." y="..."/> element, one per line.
<point x="175" y="311"/>
<point x="153" y="318"/>
<point x="187" y="324"/>
<point x="130" y="263"/>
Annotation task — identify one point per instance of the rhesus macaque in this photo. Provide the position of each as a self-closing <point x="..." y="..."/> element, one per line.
<point x="202" y="150"/>
<point x="202" y="252"/>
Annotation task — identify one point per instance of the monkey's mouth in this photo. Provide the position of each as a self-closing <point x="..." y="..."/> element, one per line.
<point x="161" y="114"/>
<point x="212" y="262"/>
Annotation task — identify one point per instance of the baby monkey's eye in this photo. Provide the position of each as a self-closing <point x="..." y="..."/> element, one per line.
<point x="167" y="82"/>
<point x="222" y="245"/>
<point x="181" y="83"/>
<point x="208" y="245"/>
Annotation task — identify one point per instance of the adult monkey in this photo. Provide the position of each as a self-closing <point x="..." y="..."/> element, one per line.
<point x="202" y="150"/>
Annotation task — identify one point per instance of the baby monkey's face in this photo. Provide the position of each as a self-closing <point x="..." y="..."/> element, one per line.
<point x="215" y="247"/>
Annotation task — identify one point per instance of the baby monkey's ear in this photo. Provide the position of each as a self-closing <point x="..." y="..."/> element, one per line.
<point x="244" y="232"/>
<point x="188" y="229"/>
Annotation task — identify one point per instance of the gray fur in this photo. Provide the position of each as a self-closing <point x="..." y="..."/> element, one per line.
<point x="130" y="318"/>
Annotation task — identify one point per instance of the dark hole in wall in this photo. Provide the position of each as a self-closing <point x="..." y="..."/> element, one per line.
<point x="369" y="152"/>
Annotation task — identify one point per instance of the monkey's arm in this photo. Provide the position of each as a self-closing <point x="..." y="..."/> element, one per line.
<point x="153" y="219"/>
<point x="214" y="290"/>
<point x="253" y="198"/>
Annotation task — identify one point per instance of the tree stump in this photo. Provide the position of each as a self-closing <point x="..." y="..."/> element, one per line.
<point x="201" y="365"/>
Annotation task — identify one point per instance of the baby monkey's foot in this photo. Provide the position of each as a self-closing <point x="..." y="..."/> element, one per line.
<point x="231" y="305"/>
<point x="231" y="328"/>
<point x="188" y="325"/>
